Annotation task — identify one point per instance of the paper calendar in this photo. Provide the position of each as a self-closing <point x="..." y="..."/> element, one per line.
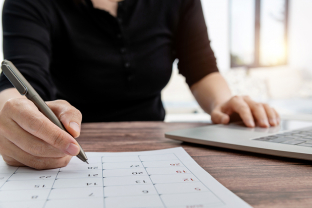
<point x="151" y="179"/>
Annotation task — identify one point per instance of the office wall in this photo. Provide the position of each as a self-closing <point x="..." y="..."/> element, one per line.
<point x="216" y="15"/>
<point x="300" y="34"/>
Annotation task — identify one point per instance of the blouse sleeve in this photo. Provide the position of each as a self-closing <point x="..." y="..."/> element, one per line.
<point x="196" y="58"/>
<point x="26" y="43"/>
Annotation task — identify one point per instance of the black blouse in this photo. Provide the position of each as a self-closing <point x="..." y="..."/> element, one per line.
<point x="111" y="69"/>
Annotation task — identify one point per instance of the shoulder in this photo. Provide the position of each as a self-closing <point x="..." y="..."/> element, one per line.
<point x="28" y="5"/>
<point x="41" y="11"/>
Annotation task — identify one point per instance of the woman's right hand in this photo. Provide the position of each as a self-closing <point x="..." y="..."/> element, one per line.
<point x="28" y="138"/>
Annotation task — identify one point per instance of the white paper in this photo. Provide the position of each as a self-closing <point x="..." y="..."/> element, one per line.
<point x="152" y="179"/>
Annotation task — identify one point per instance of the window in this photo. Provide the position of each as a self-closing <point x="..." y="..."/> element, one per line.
<point x="258" y="32"/>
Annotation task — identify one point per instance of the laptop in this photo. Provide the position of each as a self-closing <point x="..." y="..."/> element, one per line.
<point x="292" y="138"/>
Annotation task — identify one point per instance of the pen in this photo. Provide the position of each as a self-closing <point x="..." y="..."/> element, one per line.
<point x="24" y="88"/>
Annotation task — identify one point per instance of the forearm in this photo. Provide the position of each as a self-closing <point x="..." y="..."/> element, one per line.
<point x="8" y="94"/>
<point x="211" y="91"/>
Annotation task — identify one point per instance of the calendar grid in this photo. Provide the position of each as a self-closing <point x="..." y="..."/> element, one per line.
<point x="103" y="182"/>
<point x="200" y="180"/>
<point x="51" y="189"/>
<point x="103" y="185"/>
<point x="152" y="181"/>
<point x="9" y="177"/>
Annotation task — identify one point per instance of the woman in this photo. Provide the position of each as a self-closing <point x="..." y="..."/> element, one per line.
<point x="110" y="60"/>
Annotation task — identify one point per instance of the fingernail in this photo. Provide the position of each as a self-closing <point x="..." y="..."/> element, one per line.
<point x="75" y="126"/>
<point x="273" y="121"/>
<point x="251" y="123"/>
<point x="265" y="123"/>
<point x="72" y="149"/>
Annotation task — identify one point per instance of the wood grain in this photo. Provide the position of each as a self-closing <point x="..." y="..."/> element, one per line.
<point x="260" y="180"/>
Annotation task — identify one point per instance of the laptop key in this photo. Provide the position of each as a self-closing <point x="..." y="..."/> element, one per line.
<point x="287" y="133"/>
<point x="308" y="137"/>
<point x="305" y="144"/>
<point x="306" y="133"/>
<point x="263" y="139"/>
<point x="291" y="137"/>
<point x="293" y="142"/>
<point x="303" y="139"/>
<point x="271" y="137"/>
<point x="298" y="135"/>
<point x="280" y="140"/>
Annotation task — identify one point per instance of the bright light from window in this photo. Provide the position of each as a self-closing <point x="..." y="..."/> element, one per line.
<point x="258" y="32"/>
<point x="272" y="33"/>
<point x="242" y="19"/>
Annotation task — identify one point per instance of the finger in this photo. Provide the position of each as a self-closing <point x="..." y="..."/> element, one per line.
<point x="258" y="111"/>
<point x="12" y="151"/>
<point x="270" y="114"/>
<point x="218" y="117"/>
<point x="278" y="118"/>
<point x="238" y="105"/>
<point x="27" y="142"/>
<point x="12" y="162"/>
<point x="27" y="116"/>
<point x="68" y="115"/>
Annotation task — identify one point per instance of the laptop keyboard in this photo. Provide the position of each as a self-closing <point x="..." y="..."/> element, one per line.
<point x="297" y="137"/>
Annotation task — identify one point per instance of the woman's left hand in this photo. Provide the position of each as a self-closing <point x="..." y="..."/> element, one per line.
<point x="251" y="112"/>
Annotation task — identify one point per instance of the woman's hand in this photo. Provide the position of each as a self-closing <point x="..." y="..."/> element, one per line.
<point x="28" y="138"/>
<point x="251" y="112"/>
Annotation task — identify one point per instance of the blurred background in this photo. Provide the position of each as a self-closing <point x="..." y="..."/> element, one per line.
<point x="262" y="49"/>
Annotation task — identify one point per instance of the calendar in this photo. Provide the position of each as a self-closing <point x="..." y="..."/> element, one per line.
<point x="151" y="179"/>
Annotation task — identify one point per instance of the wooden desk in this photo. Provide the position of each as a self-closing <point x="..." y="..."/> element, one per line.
<point x="260" y="180"/>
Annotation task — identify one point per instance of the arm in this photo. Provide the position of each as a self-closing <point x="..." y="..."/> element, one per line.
<point x="211" y="91"/>
<point x="27" y="137"/>
<point x="214" y="96"/>
<point x="198" y="64"/>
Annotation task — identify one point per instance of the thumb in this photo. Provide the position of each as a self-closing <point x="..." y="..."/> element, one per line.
<point x="68" y="115"/>
<point x="218" y="117"/>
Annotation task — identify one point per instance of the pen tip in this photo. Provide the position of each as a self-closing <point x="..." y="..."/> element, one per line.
<point x="87" y="162"/>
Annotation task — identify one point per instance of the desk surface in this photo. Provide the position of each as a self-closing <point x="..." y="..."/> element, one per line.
<point x="260" y="180"/>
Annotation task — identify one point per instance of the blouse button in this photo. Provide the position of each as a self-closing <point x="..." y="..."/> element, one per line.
<point x="127" y="65"/>
<point x="119" y="36"/>
<point x="119" y="20"/>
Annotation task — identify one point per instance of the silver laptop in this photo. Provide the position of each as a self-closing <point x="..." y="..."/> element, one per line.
<point x="290" y="139"/>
